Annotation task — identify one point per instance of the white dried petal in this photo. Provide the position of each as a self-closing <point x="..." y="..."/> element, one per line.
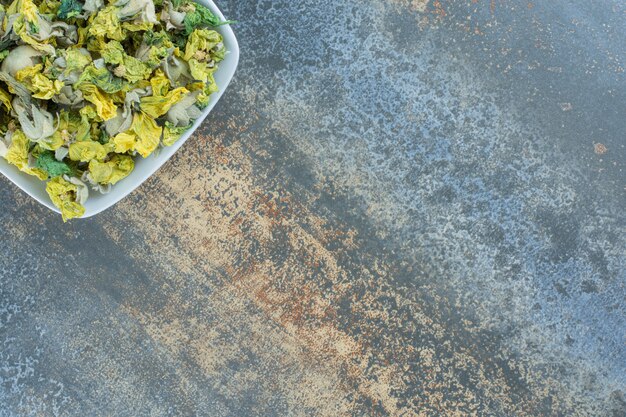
<point x="82" y="191"/>
<point x="61" y="153"/>
<point x="19" y="58"/>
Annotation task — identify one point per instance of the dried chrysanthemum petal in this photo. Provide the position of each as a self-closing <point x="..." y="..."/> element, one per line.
<point x="37" y="83"/>
<point x="104" y="104"/>
<point x="148" y="134"/>
<point x="172" y="133"/>
<point x="37" y="124"/>
<point x="128" y="66"/>
<point x="64" y="195"/>
<point x="158" y="105"/>
<point x="124" y="142"/>
<point x="5" y="99"/>
<point x="107" y="23"/>
<point x="184" y="111"/>
<point x="110" y="172"/>
<point x="17" y="154"/>
<point x="137" y="10"/>
<point x="87" y="150"/>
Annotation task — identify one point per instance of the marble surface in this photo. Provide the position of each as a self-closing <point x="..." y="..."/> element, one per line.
<point x="399" y="208"/>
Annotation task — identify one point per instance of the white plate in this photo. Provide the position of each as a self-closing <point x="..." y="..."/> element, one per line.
<point x="144" y="168"/>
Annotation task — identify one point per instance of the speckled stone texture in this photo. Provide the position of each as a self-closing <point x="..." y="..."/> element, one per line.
<point x="399" y="208"/>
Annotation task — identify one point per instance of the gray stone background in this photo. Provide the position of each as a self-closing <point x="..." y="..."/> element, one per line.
<point x="400" y="207"/>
